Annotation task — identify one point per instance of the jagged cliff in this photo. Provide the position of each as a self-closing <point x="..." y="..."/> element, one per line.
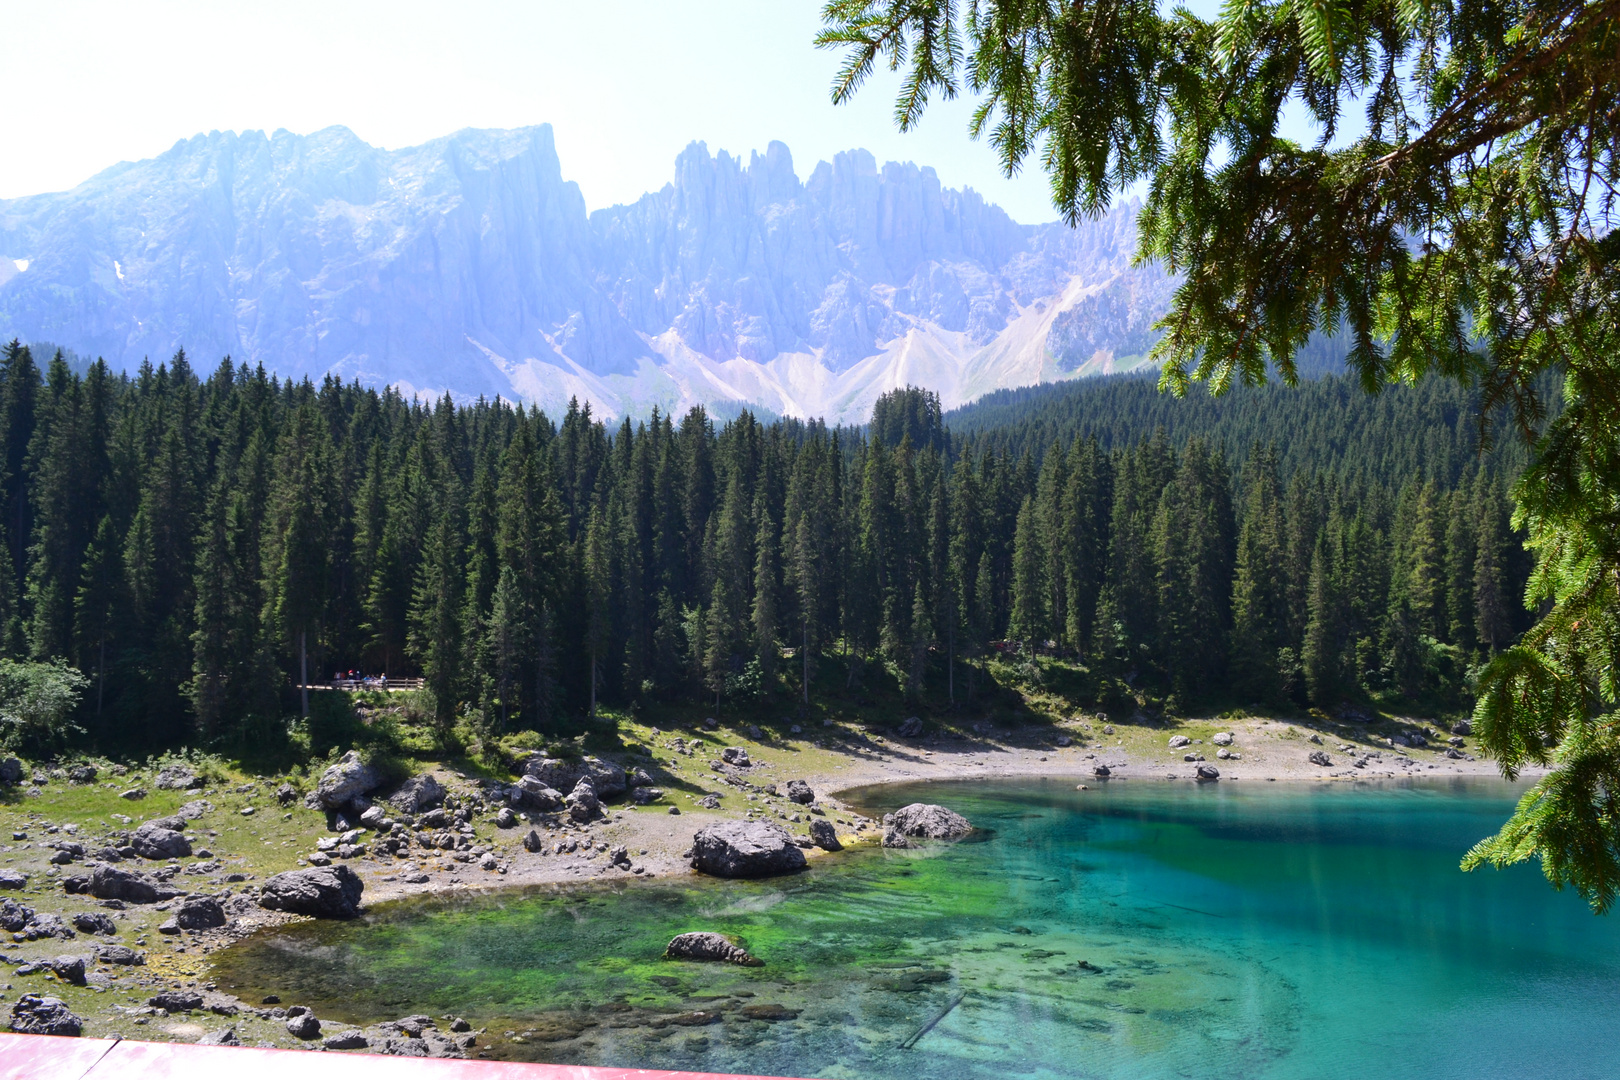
<point x="469" y="264"/>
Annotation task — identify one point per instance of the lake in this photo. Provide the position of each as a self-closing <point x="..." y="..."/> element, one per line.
<point x="1136" y="930"/>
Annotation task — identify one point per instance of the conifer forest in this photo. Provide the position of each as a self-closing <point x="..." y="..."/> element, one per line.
<point x="188" y="549"/>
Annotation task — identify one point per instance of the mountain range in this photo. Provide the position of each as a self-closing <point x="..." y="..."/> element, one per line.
<point x="469" y="265"/>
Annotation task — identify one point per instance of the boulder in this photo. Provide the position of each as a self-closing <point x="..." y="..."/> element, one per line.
<point x="342" y="782"/>
<point x="38" y="1015"/>
<point x="706" y="946"/>
<point x="1102" y="772"/>
<point x="824" y="836"/>
<point x="14" y="916"/>
<point x="1222" y="738"/>
<point x="533" y="842"/>
<point x="13" y="879"/>
<point x="735" y="755"/>
<point x="83" y="774"/>
<point x="326" y="892"/>
<point x="70" y="969"/>
<point x="222" y="1037"/>
<point x="910" y="727"/>
<point x="153" y="841"/>
<point x="354" y="1039"/>
<point x="1461" y="727"/>
<point x="799" y="792"/>
<point x="176" y="1000"/>
<point x="200" y="913"/>
<point x="373" y="817"/>
<point x="564" y="774"/>
<point x="122" y="955"/>
<point x="112" y="883"/>
<point x="638" y="778"/>
<point x="643" y="796"/>
<point x="583" y="805"/>
<point x="1206" y="774"/>
<point x="134" y="794"/>
<point x="11" y="771"/>
<point x="418" y="795"/>
<point x="505" y="819"/>
<point x="1320" y="758"/>
<point x="304" y="1026"/>
<point x="745" y="849"/>
<point x="925" y="821"/>
<point x="93" y="922"/>
<point x="530" y="792"/>
<point x="1178" y="741"/>
<point x="177" y="778"/>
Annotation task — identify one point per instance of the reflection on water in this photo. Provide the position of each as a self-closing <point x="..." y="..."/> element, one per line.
<point x="1140" y="930"/>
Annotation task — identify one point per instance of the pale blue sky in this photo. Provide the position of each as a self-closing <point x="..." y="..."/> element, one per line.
<point x="625" y="83"/>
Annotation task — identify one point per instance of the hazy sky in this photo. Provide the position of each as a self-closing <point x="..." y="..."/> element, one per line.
<point x="625" y="83"/>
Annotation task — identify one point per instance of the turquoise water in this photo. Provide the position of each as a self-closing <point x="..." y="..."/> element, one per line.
<point x="1232" y="930"/>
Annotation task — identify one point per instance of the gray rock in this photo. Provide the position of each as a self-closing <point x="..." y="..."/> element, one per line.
<point x="1320" y="758"/>
<point x="373" y="817"/>
<point x="222" y="1037"/>
<point x="583" y="804"/>
<point x="83" y="774"/>
<point x="35" y="1014"/>
<point x="706" y="946"/>
<point x="710" y="802"/>
<point x="532" y="793"/>
<point x="824" y="836"/>
<point x="745" y="849"/>
<point x="894" y="838"/>
<point x="735" y="755"/>
<point x="177" y="778"/>
<point x="152" y="841"/>
<point x="619" y="854"/>
<point x="176" y="1000"/>
<point x="505" y="819"/>
<point x="1102" y="772"/>
<point x="925" y="821"/>
<point x="1178" y="741"/>
<point x="134" y="794"/>
<point x="200" y="913"/>
<point x="347" y="1040"/>
<point x="638" y="778"/>
<point x="326" y="892"/>
<point x="1108" y="729"/>
<point x="13" y="879"/>
<point x="122" y="955"/>
<point x="304" y="1026"/>
<point x="93" y="922"/>
<point x="533" y="842"/>
<point x="1222" y="738"/>
<point x="799" y="792"/>
<point x="418" y="795"/>
<point x="351" y="776"/>
<point x="70" y="969"/>
<point x="1206" y="774"/>
<point x="11" y="771"/>
<point x="14" y="916"/>
<point x="644" y="796"/>
<point x="114" y="883"/>
<point x="910" y="727"/>
<point x="1461" y="727"/>
<point x="564" y="774"/>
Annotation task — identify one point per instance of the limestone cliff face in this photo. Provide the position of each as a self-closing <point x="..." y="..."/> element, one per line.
<point x="469" y="264"/>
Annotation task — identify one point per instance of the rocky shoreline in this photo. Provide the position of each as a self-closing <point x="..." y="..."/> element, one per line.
<point x="116" y="888"/>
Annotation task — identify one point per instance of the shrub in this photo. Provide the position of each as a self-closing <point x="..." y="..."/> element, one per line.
<point x="37" y="701"/>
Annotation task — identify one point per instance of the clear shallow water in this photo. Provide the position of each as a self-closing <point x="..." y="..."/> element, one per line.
<point x="1255" y="931"/>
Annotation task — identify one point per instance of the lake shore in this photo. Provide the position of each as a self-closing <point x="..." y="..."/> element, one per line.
<point x="244" y="837"/>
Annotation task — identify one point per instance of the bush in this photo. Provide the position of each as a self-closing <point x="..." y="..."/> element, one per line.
<point x="37" y="701"/>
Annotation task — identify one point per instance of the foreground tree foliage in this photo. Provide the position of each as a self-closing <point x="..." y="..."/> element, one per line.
<point x="1468" y="231"/>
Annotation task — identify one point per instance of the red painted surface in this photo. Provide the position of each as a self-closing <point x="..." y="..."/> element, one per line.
<point x="43" y="1057"/>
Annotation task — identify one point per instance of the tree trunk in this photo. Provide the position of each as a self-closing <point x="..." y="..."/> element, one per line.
<point x="303" y="671"/>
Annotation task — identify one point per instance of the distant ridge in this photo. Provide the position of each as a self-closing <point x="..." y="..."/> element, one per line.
<point x="469" y="265"/>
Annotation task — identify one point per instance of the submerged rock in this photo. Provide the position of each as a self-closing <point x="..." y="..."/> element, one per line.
<point x="703" y="945"/>
<point x="326" y="892"/>
<point x="745" y="849"/>
<point x="925" y="821"/>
